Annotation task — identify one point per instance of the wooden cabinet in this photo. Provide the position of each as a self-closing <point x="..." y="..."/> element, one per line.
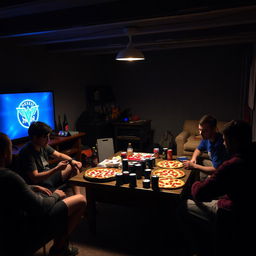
<point x="136" y="132"/>
<point x="70" y="145"/>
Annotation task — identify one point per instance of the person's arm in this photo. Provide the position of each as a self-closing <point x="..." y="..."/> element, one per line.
<point x="195" y="155"/>
<point x="192" y="163"/>
<point x="189" y="164"/>
<point x="61" y="156"/>
<point x="28" y="200"/>
<point x="214" y="186"/>
<point x="46" y="191"/>
<point x="36" y="177"/>
<point x="206" y="169"/>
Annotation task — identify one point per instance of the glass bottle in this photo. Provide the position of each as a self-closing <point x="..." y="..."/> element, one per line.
<point x="95" y="159"/>
<point x="129" y="149"/>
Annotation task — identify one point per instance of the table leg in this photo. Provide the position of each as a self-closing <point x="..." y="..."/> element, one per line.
<point x="91" y="210"/>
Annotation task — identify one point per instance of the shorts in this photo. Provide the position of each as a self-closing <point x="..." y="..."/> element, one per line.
<point x="53" y="182"/>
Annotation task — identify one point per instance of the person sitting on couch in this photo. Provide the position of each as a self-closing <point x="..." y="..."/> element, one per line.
<point x="34" y="156"/>
<point x="221" y="215"/>
<point x="212" y="143"/>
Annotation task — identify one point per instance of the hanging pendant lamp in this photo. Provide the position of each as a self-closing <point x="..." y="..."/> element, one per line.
<point x="130" y="53"/>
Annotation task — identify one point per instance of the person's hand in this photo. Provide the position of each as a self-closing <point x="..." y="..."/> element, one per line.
<point x="44" y="190"/>
<point x="62" y="165"/>
<point x="193" y="161"/>
<point x="189" y="164"/>
<point x="76" y="163"/>
<point x="61" y="193"/>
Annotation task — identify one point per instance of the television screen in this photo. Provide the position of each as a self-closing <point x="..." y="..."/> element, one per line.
<point x="19" y="110"/>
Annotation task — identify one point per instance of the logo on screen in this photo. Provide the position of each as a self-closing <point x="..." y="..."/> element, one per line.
<point x="27" y="112"/>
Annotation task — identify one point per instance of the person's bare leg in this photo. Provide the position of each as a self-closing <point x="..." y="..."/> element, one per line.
<point x="69" y="172"/>
<point x="76" y="209"/>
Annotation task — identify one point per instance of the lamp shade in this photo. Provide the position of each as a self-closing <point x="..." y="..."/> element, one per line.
<point x="130" y="54"/>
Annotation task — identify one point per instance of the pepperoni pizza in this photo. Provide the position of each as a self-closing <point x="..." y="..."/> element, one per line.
<point x="101" y="174"/>
<point x="169" y="173"/>
<point x="170" y="164"/>
<point x="139" y="156"/>
<point x="170" y="183"/>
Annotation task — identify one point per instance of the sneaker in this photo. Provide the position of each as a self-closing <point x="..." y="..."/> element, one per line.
<point x="70" y="251"/>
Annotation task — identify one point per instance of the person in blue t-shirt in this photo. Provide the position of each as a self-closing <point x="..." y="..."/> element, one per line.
<point x="212" y="143"/>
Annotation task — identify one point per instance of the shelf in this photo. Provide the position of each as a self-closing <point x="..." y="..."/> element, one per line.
<point x="139" y="133"/>
<point x="128" y="138"/>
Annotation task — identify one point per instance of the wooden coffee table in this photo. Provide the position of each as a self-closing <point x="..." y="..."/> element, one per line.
<point x="108" y="192"/>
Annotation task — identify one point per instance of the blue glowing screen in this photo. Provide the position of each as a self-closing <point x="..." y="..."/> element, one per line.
<point x="19" y="110"/>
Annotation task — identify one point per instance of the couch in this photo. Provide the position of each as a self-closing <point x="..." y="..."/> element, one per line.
<point x="188" y="140"/>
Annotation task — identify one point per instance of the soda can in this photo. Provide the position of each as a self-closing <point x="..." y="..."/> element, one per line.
<point x="138" y="170"/>
<point x="123" y="155"/>
<point x="119" y="179"/>
<point x="126" y="177"/>
<point x="169" y="154"/>
<point x="125" y="165"/>
<point x="146" y="183"/>
<point x="132" y="180"/>
<point x="154" y="181"/>
<point x="147" y="173"/>
<point x="156" y="152"/>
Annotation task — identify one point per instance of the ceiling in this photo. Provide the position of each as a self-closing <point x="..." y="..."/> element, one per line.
<point x="100" y="27"/>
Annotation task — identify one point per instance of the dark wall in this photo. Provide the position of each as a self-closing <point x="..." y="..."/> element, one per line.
<point x="26" y="69"/>
<point x="169" y="87"/>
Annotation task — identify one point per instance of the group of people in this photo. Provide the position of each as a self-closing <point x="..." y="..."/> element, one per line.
<point x="34" y="208"/>
<point x="218" y="218"/>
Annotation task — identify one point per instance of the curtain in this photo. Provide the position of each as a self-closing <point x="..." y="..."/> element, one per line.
<point x="251" y="93"/>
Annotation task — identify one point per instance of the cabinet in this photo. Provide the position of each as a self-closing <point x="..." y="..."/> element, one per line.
<point x="136" y="132"/>
<point x="70" y="145"/>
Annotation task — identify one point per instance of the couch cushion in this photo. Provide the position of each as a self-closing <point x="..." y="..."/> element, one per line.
<point x="192" y="143"/>
<point x="191" y="126"/>
<point x="195" y="137"/>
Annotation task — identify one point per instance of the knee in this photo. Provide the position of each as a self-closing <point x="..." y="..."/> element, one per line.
<point x="79" y="165"/>
<point x="81" y="200"/>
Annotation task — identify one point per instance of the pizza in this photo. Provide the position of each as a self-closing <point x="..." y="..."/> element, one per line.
<point x="101" y="174"/>
<point x="139" y="156"/>
<point x="170" y="164"/>
<point x="169" y="173"/>
<point x="170" y="183"/>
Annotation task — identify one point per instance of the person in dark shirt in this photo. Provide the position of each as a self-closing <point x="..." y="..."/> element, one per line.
<point x="30" y="216"/>
<point x="34" y="160"/>
<point x="212" y="143"/>
<point x="229" y="191"/>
